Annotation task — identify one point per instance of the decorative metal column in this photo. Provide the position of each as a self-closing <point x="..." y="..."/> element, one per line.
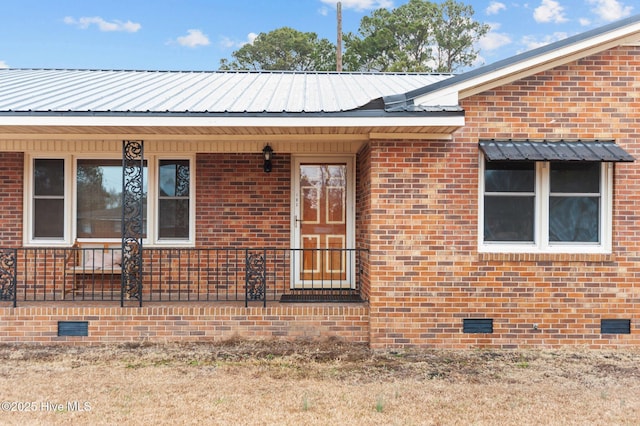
<point x="256" y="277"/>
<point x="8" y="275"/>
<point x="132" y="220"/>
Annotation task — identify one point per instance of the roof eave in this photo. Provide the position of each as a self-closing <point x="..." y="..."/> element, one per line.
<point x="355" y="118"/>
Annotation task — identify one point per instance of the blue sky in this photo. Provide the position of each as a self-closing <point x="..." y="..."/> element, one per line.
<point x="196" y="34"/>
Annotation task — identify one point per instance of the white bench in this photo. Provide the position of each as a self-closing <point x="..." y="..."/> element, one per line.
<point x="99" y="260"/>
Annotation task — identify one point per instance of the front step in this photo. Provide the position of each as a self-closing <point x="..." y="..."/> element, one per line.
<point x="321" y="296"/>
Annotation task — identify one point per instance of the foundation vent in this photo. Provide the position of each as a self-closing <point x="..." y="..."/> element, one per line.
<point x="73" y="328"/>
<point x="615" y="326"/>
<point x="477" y="325"/>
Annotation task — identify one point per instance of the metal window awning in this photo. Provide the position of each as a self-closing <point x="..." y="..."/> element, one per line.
<point x="546" y="150"/>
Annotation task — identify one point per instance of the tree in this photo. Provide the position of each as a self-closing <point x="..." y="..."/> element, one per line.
<point x="419" y="36"/>
<point x="378" y="50"/>
<point x="284" y="49"/>
<point x="455" y="33"/>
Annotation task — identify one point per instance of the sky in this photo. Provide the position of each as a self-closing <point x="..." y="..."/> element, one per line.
<point x="196" y="34"/>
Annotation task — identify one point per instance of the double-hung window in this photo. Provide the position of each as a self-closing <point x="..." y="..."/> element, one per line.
<point x="555" y="203"/>
<point x="48" y="218"/>
<point x="174" y="199"/>
<point x="509" y="202"/>
<point x="81" y="198"/>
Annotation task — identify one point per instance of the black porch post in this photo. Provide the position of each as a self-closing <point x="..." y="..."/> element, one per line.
<point x="8" y="275"/>
<point x="256" y="276"/>
<point x="132" y="220"/>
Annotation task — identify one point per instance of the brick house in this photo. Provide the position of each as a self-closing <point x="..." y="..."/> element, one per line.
<point x="496" y="208"/>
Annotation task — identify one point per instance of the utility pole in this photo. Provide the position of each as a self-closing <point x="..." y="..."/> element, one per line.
<point x="339" y="43"/>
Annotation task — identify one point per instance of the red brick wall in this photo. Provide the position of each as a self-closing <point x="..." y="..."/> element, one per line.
<point x="12" y="184"/>
<point x="239" y="205"/>
<point x="428" y="275"/>
<point x="363" y="214"/>
<point x="39" y="325"/>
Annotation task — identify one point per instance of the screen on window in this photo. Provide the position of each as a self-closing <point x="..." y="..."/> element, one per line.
<point x="509" y="201"/>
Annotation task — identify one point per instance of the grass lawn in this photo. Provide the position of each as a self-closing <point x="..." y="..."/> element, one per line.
<point x="316" y="383"/>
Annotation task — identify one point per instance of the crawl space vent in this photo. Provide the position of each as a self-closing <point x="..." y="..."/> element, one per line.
<point x="73" y="328"/>
<point x="477" y="325"/>
<point x="615" y="326"/>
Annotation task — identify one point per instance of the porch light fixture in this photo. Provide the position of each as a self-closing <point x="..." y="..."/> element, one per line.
<point x="267" y="152"/>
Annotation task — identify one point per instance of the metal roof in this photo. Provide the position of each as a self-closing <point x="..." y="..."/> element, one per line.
<point x="121" y="91"/>
<point x="526" y="150"/>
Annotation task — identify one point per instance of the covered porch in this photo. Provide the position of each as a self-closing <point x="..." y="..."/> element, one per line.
<point x="226" y="237"/>
<point x="255" y="199"/>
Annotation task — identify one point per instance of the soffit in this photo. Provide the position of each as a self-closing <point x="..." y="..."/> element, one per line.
<point x="218" y="132"/>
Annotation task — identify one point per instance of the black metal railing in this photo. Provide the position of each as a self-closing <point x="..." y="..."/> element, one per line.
<point x="182" y="274"/>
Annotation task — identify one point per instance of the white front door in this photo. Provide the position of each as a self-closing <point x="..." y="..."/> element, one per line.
<point x="323" y="221"/>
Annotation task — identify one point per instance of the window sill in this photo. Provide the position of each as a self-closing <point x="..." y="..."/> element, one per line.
<point x="547" y="257"/>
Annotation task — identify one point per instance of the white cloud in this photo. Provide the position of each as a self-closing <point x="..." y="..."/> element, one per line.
<point x="479" y="61"/>
<point x="361" y="4"/>
<point x="86" y="21"/>
<point x="229" y="43"/>
<point x="494" y="40"/>
<point x="495" y="7"/>
<point x="549" y="11"/>
<point x="610" y="10"/>
<point x="3" y="64"/>
<point x="585" y="22"/>
<point x="323" y="11"/>
<point x="194" y="38"/>
<point x="531" y="42"/>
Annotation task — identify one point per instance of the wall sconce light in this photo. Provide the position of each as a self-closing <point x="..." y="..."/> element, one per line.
<point x="267" y="152"/>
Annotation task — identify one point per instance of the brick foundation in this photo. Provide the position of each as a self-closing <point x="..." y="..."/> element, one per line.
<point x="184" y="323"/>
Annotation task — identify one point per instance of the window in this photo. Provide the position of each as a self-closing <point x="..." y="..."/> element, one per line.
<point x="556" y="206"/>
<point x="173" y="184"/>
<point x="99" y="198"/>
<point x="574" y="202"/>
<point x="48" y="198"/>
<point x="509" y="201"/>
<point x="82" y="198"/>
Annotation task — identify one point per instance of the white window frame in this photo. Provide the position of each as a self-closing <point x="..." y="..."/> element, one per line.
<point x="541" y="243"/>
<point x="70" y="200"/>
<point x="154" y="201"/>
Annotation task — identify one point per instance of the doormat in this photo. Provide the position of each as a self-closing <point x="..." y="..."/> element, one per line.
<point x="320" y="298"/>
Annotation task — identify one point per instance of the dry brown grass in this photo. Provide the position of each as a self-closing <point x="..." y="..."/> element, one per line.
<point x="316" y="383"/>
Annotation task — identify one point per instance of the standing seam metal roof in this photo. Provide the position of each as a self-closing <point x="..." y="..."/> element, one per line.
<point x="59" y="90"/>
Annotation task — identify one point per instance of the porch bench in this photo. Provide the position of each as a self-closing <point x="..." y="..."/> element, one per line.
<point x="92" y="262"/>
